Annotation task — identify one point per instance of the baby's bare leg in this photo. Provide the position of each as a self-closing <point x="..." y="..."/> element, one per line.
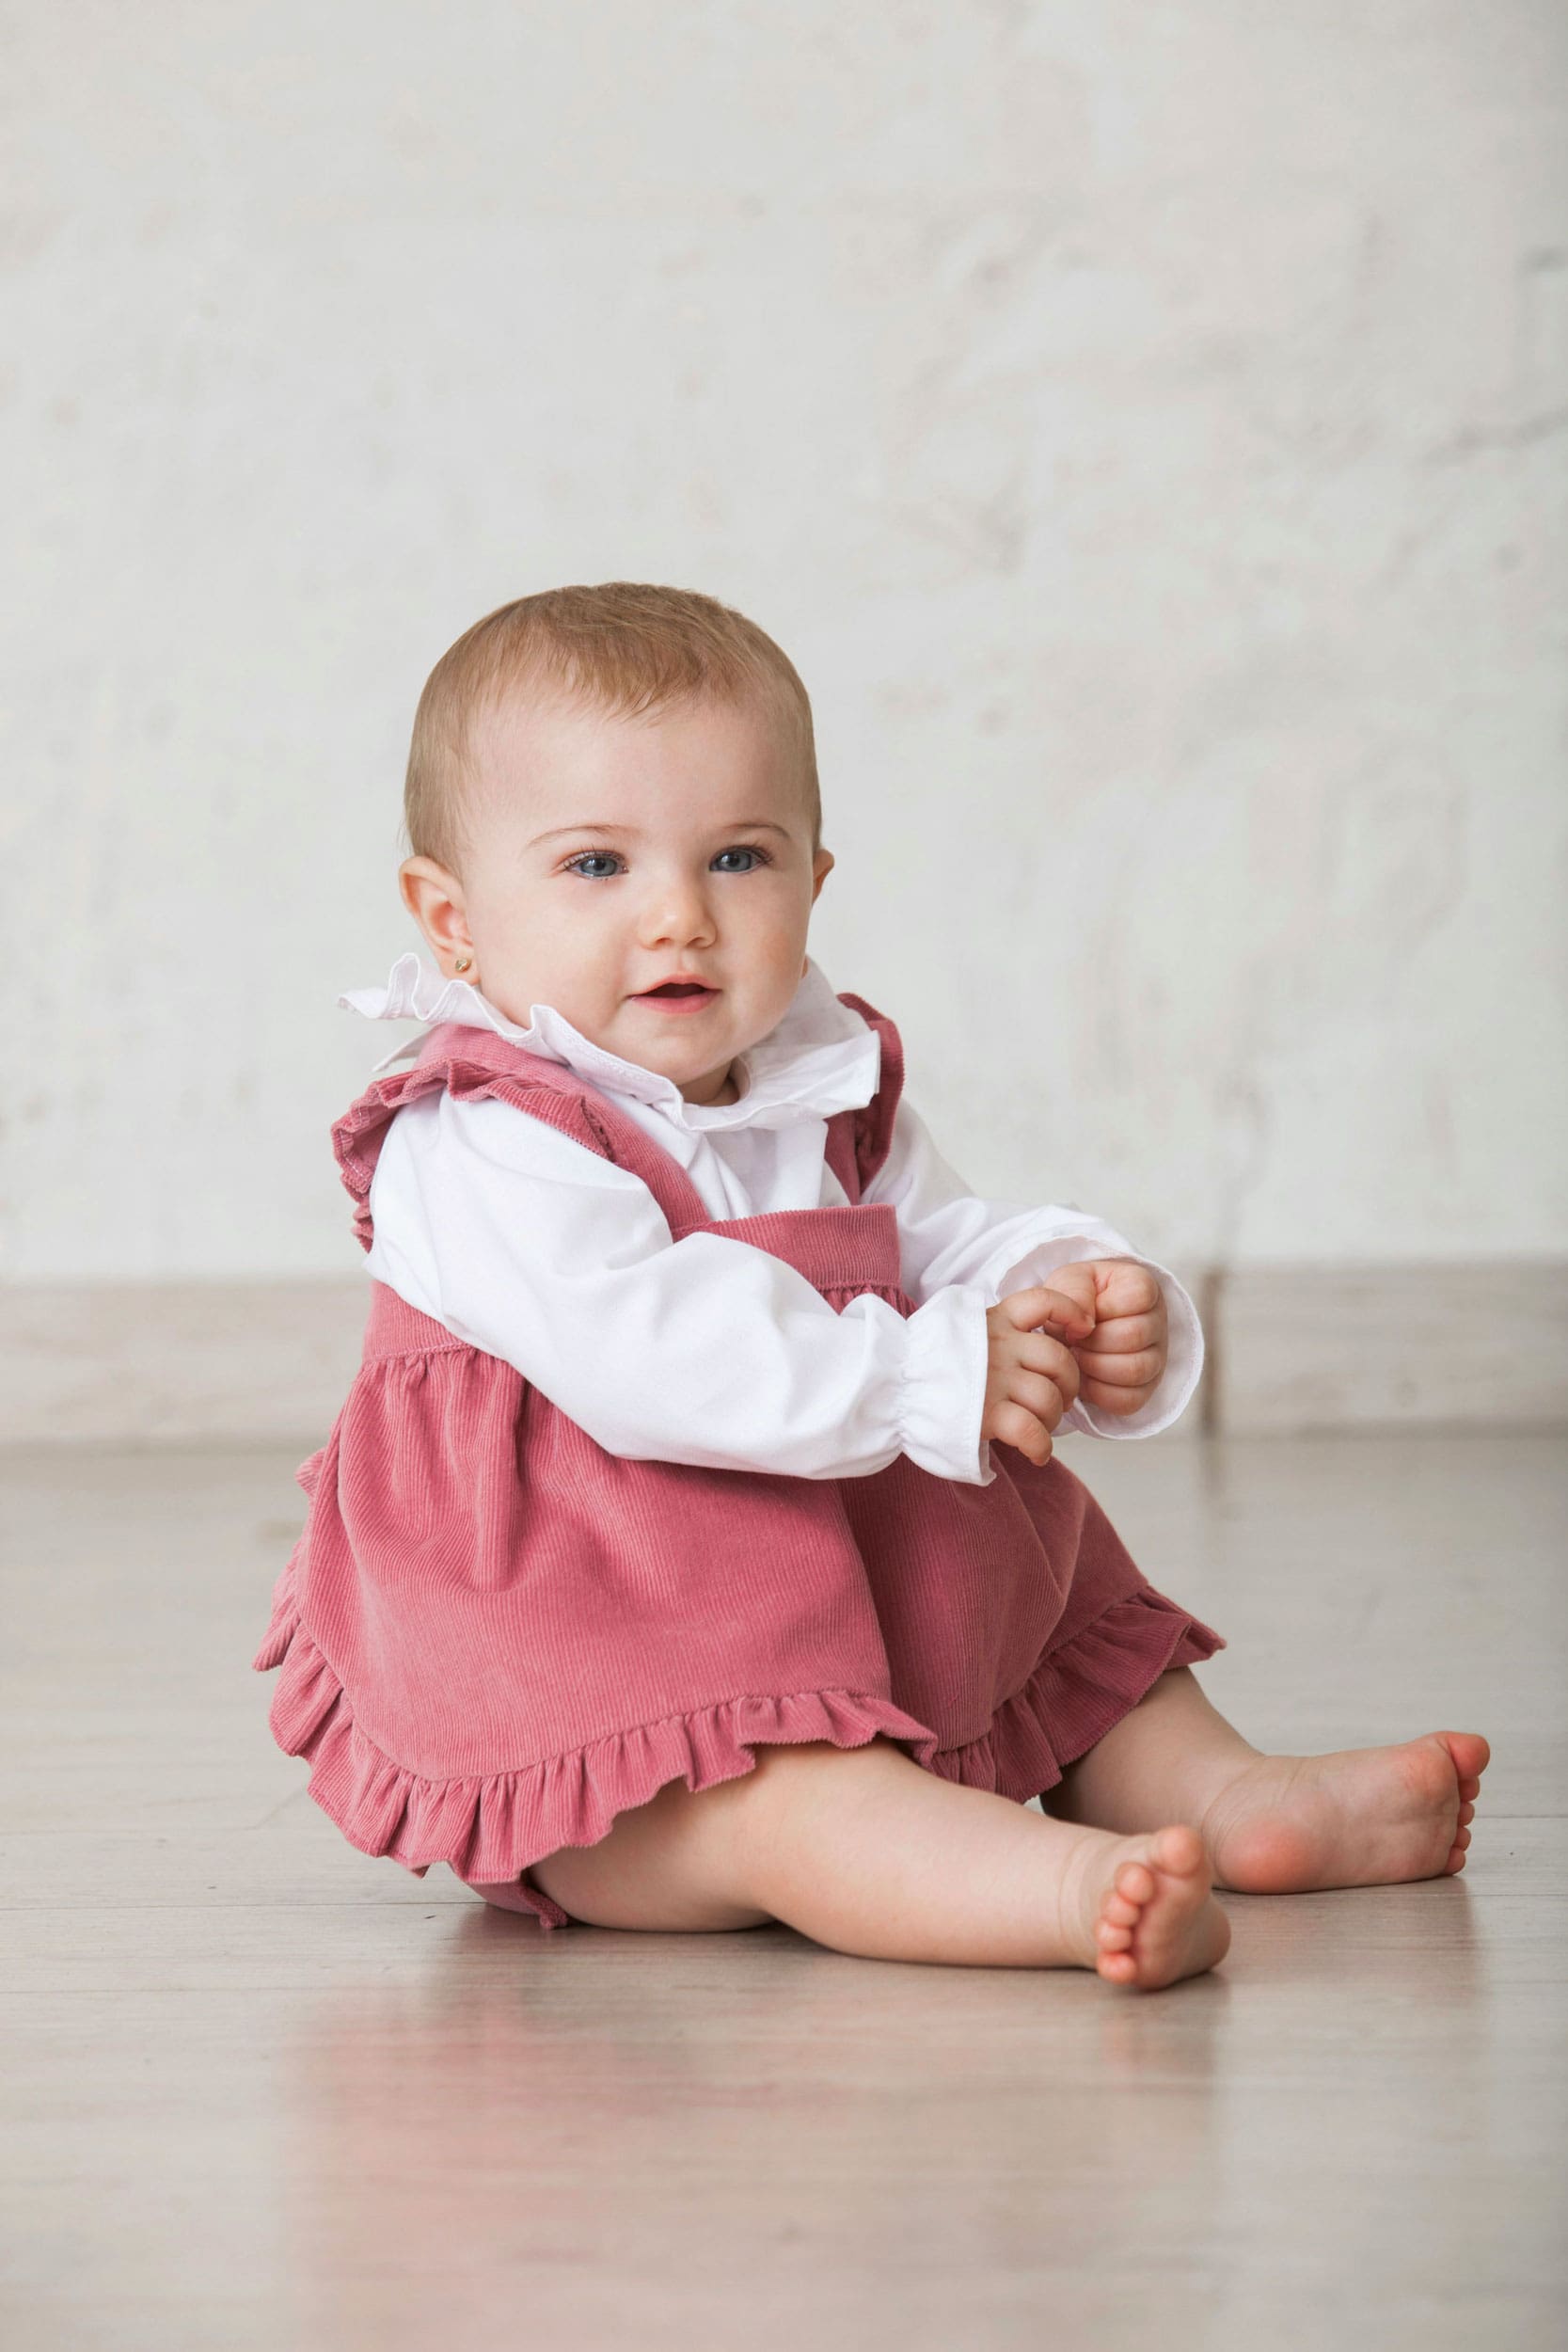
<point x="1279" y="1825"/>
<point x="670" y="1866"/>
<point x="865" y="1851"/>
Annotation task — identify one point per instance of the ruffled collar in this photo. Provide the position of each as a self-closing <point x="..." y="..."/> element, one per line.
<point x="819" y="1058"/>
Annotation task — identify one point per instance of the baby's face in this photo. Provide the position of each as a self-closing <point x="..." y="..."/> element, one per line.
<point x="610" y="854"/>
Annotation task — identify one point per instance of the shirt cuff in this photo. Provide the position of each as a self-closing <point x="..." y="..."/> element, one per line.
<point x="946" y="1359"/>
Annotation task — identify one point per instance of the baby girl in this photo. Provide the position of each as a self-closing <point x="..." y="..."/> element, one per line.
<point x="690" y="1551"/>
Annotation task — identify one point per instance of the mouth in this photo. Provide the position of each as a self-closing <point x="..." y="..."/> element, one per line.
<point x="678" y="996"/>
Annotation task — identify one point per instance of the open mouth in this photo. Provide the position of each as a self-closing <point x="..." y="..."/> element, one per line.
<point x="678" y="1000"/>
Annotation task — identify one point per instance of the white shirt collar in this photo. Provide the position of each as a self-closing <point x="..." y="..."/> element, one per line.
<point x="820" y="1057"/>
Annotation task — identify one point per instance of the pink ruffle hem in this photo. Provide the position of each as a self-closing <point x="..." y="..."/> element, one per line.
<point x="491" y="1828"/>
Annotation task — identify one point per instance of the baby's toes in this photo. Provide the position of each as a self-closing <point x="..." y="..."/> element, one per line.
<point x="1469" y="1790"/>
<point x="1179" y="1850"/>
<point x="1471" y="1756"/>
<point x="1154" y="1922"/>
<point x="1134" y="1884"/>
<point x="1121" y="1907"/>
<point x="1466" y="1815"/>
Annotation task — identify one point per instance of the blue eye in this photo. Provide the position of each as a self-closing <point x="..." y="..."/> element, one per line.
<point x="740" y="848"/>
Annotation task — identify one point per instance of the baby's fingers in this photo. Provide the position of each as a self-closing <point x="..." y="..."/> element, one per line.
<point x="1061" y="1315"/>
<point x="1041" y="1365"/>
<point x="1139" y="1370"/>
<point x="1126" y="1335"/>
<point x="1106" y="1399"/>
<point x="1038" y="1394"/>
<point x="1014" y="1425"/>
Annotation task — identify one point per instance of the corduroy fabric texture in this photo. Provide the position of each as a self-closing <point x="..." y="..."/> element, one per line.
<point x="495" y="1636"/>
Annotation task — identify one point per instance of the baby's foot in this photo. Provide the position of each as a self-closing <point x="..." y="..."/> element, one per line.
<point x="1366" y="1816"/>
<point x="1153" y="1917"/>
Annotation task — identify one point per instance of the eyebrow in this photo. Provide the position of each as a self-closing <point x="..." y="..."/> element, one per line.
<point x="632" y="832"/>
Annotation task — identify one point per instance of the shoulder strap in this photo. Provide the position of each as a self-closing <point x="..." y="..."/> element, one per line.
<point x="470" y="1064"/>
<point x="870" y="1127"/>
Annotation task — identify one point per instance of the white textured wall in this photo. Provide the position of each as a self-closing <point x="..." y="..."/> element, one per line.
<point x="1146" y="427"/>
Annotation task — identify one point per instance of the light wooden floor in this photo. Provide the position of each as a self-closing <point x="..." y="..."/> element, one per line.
<point x="264" y="2092"/>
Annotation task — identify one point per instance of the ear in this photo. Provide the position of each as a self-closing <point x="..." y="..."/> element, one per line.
<point x="434" y="897"/>
<point x="822" y="866"/>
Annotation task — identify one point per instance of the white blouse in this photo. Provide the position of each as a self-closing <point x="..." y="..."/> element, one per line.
<point x="709" y="1350"/>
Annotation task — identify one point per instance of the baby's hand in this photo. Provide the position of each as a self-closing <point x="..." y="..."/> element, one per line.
<point x="1033" y="1376"/>
<point x="1123" y="1358"/>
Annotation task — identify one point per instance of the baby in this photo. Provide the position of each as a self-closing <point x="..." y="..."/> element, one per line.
<point x="692" y="1552"/>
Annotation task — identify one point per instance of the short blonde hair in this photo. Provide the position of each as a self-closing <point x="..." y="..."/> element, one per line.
<point x="623" y="646"/>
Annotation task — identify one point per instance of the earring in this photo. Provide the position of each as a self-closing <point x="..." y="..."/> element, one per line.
<point x="463" y="963"/>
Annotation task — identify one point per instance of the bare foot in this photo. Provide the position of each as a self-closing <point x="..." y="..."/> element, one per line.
<point x="1366" y="1816"/>
<point x="1152" y="1914"/>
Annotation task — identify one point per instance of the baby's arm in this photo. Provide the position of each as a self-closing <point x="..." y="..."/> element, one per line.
<point x="707" y="1350"/>
<point x="949" y="1234"/>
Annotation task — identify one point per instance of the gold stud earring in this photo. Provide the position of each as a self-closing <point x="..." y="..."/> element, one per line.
<point x="463" y="963"/>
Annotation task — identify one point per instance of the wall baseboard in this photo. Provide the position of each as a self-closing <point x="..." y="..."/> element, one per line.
<point x="175" y="1363"/>
<point x="1479" y="1346"/>
<point x="1292" y="1349"/>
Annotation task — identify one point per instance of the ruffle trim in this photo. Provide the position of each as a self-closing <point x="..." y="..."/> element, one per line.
<point x="1076" y="1694"/>
<point x="489" y="1828"/>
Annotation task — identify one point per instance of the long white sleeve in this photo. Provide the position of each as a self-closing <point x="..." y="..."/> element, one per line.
<point x="951" y="1235"/>
<point x="707" y="1350"/>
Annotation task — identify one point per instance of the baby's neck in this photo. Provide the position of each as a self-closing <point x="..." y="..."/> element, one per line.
<point x="728" y="1091"/>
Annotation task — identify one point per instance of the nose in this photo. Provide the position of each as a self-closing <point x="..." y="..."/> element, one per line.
<point x="677" y="912"/>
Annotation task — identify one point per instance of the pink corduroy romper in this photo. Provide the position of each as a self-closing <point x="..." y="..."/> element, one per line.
<point x="495" y="1636"/>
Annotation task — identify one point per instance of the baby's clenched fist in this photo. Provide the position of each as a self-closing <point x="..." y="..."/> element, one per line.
<point x="1033" y="1373"/>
